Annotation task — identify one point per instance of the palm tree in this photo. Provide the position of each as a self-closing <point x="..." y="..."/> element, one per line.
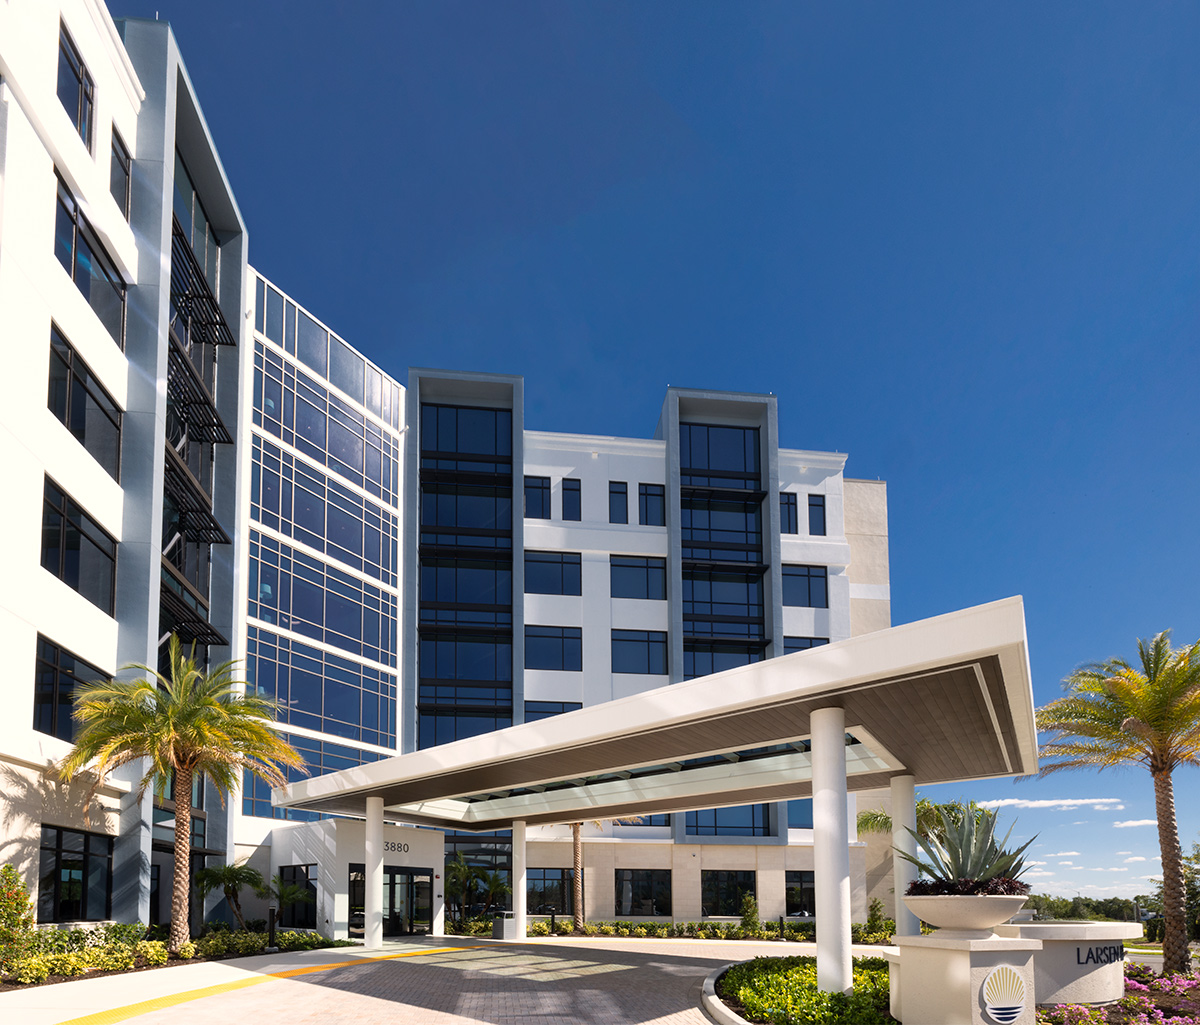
<point x="229" y="879"/>
<point x="460" y="883"/>
<point x="181" y="724"/>
<point x="1116" y="714"/>
<point x="494" y="887"/>
<point x="577" y="861"/>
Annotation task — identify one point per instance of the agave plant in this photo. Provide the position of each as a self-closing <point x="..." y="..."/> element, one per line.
<point x="966" y="858"/>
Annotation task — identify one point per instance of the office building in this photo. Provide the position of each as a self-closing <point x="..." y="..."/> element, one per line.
<point x="190" y="450"/>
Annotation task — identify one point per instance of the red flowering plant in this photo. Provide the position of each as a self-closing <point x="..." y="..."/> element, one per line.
<point x="16" y="917"/>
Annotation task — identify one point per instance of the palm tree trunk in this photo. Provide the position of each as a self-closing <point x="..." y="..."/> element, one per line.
<point x="236" y="905"/>
<point x="181" y="876"/>
<point x="577" y="888"/>
<point x="1176" y="957"/>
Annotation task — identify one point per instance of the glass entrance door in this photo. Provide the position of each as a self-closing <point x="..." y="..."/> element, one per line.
<point x="407" y="900"/>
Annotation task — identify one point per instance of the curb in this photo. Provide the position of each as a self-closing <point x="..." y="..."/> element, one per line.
<point x="713" y="1005"/>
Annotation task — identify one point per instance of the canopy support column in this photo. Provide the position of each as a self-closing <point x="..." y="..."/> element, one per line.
<point x="519" y="887"/>
<point x="831" y="849"/>
<point x="373" y="889"/>
<point x="904" y="813"/>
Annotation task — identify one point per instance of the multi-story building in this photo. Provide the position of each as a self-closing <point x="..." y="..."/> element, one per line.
<point x="122" y="268"/>
<point x="398" y="566"/>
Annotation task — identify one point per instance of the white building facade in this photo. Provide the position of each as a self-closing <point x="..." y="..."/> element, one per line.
<point x="189" y="450"/>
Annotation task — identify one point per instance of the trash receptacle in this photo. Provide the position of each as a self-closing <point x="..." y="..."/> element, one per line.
<point x="504" y="926"/>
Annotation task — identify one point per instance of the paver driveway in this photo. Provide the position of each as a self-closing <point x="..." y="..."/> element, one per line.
<point x="542" y="982"/>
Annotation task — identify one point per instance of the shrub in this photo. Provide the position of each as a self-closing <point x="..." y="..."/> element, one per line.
<point x="110" y="959"/>
<point x="246" y="943"/>
<point x="16" y="917"/>
<point x="152" y="952"/>
<point x="187" y="950"/>
<point x="539" y="928"/>
<point x="256" y="925"/>
<point x="215" y="944"/>
<point x="68" y="964"/>
<point x="750" y="922"/>
<point x="783" y="990"/>
<point x="120" y="934"/>
<point x="32" y="969"/>
<point x="564" y="927"/>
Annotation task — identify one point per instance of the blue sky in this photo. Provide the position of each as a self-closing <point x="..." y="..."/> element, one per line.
<point x="958" y="241"/>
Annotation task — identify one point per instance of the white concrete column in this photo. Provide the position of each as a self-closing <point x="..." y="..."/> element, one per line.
<point x="520" y="889"/>
<point x="904" y="813"/>
<point x="831" y="849"/>
<point x="373" y="891"/>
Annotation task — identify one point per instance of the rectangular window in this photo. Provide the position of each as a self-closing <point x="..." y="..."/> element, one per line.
<point x="84" y="259"/>
<point x="791" y="644"/>
<point x="75" y="87"/>
<point x="643" y="891"/>
<point x="705" y="659"/>
<point x="788" y="523"/>
<point x="719" y="457"/>
<point x="75" y="876"/>
<point x="196" y="225"/>
<point x="550" y="891"/>
<point x="82" y="404"/>
<point x="554" y="647"/>
<point x="634" y="576"/>
<point x="535" y="710"/>
<point x="652" y="505"/>
<point x="639" y="651"/>
<point x="120" y="173"/>
<point x="57" y="676"/>
<point x="816" y="515"/>
<point x="743" y="820"/>
<point x="572" y="505"/>
<point x="76" y="549"/>
<point x="301" y="914"/>
<point x="806" y="586"/>
<point x="800" y="813"/>
<point x="618" y="501"/>
<point x="722" y="603"/>
<point x="721" y="892"/>
<point x="801" y="894"/>
<point x="648" y="820"/>
<point x="537" y="498"/>
<point x="553" y="573"/>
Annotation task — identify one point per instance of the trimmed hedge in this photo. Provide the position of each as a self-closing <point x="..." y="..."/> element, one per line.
<point x="783" y="991"/>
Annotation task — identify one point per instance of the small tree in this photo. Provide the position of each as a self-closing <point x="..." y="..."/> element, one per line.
<point x="460" y="885"/>
<point x="495" y="888"/>
<point x="16" y="917"/>
<point x="230" y="879"/>
<point x="750" y="921"/>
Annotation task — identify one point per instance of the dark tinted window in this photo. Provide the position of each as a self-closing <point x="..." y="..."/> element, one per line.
<point x="724" y="457"/>
<point x="639" y="651"/>
<point x="75" y="876"/>
<point x="643" y="891"/>
<point x="806" y="586"/>
<point x="721" y="893"/>
<point x="816" y="515"/>
<point x="76" y="549"/>
<point x="637" y="576"/>
<point x="787" y="513"/>
<point x="791" y="644"/>
<point x="572" y="507"/>
<point x="535" y="710"/>
<point x="800" y="813"/>
<point x="652" y="505"/>
<point x="58" y="675"/>
<point x="554" y="647"/>
<point x="119" y="174"/>
<point x="537" y="498"/>
<point x="801" y="893"/>
<point x="346" y="368"/>
<point x="618" y="501"/>
<point x="743" y="820"/>
<point x="75" y="87"/>
<point x="552" y="573"/>
<point x="82" y="404"/>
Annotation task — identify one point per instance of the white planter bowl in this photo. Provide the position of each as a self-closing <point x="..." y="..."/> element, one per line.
<point x="973" y="916"/>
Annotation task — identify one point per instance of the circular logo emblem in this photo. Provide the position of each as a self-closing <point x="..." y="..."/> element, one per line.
<point x="1004" y="994"/>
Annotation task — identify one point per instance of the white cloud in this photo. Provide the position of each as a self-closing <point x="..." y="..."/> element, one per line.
<point x="1135" y="822"/>
<point x="1080" y="822"/>
<point x="1030" y="864"/>
<point x="1061" y="863"/>
<point x="1060" y="803"/>
<point x="1124" y="852"/>
<point x="1064" y="854"/>
<point x="1130" y="860"/>
<point x="1108" y="870"/>
<point x="1037" y="875"/>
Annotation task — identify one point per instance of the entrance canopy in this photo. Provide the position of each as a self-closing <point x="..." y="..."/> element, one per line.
<point x="941" y="700"/>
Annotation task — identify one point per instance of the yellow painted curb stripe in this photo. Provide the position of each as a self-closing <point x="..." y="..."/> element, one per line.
<point x="119" y="1014"/>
